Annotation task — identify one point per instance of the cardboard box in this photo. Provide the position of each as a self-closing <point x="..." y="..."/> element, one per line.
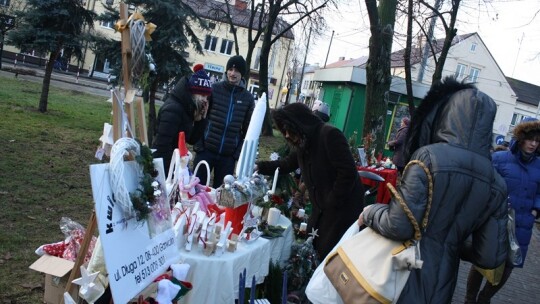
<point x="57" y="271"/>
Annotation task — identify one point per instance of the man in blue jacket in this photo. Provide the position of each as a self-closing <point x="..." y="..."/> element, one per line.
<point x="229" y="115"/>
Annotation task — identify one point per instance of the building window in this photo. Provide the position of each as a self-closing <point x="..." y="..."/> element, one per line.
<point x="4" y="2"/>
<point x="226" y="46"/>
<point x="210" y="43"/>
<point x="460" y="71"/>
<point x="473" y="75"/>
<point x="254" y="89"/>
<point x="107" y="24"/>
<point x="257" y="62"/>
<point x="109" y="2"/>
<point x="212" y="25"/>
<point x="473" y="47"/>
<point x="516" y="119"/>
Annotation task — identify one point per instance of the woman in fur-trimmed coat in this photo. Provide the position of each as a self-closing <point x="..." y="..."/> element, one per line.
<point x="450" y="133"/>
<point x="520" y="168"/>
<point x="322" y="153"/>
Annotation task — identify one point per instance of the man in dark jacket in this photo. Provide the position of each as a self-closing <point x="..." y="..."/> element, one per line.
<point x="230" y="111"/>
<point x="451" y="133"/>
<point x="183" y="111"/>
<point x="322" y="153"/>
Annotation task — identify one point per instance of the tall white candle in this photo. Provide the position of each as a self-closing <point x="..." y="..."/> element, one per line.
<point x="248" y="152"/>
<point x="303" y="226"/>
<point x="301" y="213"/>
<point x="274" y="182"/>
<point x="273" y="216"/>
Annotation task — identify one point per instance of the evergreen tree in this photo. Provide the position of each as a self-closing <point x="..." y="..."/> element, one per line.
<point x="174" y="34"/>
<point x="50" y="26"/>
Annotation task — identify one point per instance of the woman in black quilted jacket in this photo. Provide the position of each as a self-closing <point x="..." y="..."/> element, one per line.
<point x="183" y="111"/>
<point x="451" y="133"/>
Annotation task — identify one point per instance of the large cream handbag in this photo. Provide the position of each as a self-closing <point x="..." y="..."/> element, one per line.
<point x="369" y="268"/>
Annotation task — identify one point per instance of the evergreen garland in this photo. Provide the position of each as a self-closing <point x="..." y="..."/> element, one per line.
<point x="145" y="196"/>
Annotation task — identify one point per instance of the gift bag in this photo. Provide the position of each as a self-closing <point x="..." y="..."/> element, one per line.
<point x="514" y="251"/>
<point x="319" y="289"/>
<point x="370" y="268"/>
<point x="493" y="276"/>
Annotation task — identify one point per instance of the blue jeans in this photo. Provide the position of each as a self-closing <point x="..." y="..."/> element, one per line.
<point x="221" y="165"/>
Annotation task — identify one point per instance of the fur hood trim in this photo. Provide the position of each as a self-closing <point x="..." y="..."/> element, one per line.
<point x="455" y="113"/>
<point x="527" y="127"/>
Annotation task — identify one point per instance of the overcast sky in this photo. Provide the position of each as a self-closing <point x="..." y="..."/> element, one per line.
<point x="509" y="28"/>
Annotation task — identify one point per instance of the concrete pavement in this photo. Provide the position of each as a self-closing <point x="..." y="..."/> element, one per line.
<point x="522" y="287"/>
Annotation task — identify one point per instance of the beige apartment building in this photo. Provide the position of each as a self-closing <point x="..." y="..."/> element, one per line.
<point x="218" y="43"/>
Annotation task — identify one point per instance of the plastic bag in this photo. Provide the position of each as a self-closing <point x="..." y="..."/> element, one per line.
<point x="69" y="248"/>
<point x="514" y="251"/>
<point x="319" y="289"/>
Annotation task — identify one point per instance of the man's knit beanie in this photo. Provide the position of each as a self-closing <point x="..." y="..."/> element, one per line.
<point x="237" y="62"/>
<point x="199" y="82"/>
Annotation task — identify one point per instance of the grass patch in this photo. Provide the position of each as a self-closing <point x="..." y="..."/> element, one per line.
<point x="44" y="174"/>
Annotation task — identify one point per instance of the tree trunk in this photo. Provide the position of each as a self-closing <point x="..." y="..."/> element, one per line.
<point x="378" y="73"/>
<point x="263" y="84"/>
<point x="43" y="100"/>
<point x="407" y="58"/>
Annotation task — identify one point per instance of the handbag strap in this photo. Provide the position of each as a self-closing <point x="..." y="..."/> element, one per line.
<point x="408" y="212"/>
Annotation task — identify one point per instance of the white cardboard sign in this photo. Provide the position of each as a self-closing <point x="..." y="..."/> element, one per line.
<point x="134" y="257"/>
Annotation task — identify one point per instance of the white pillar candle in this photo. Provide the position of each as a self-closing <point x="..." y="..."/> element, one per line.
<point x="273" y="216"/>
<point x="301" y="213"/>
<point x="256" y="211"/>
<point x="303" y="226"/>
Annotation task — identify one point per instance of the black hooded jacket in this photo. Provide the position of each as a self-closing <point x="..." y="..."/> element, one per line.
<point x="328" y="170"/>
<point x="176" y="115"/>
<point x="451" y="134"/>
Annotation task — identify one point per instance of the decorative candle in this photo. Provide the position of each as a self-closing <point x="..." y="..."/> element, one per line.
<point x="252" y="294"/>
<point x="273" y="216"/>
<point x="245" y="164"/>
<point x="274" y="182"/>
<point x="256" y="211"/>
<point x="300" y="213"/>
<point x="303" y="226"/>
<point x="284" y="289"/>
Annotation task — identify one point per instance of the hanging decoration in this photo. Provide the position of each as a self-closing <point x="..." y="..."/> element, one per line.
<point x="149" y="194"/>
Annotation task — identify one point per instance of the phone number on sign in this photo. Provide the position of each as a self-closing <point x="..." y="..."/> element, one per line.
<point x="149" y="269"/>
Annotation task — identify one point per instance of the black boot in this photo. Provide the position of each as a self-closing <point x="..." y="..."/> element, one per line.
<point x="490" y="290"/>
<point x="474" y="281"/>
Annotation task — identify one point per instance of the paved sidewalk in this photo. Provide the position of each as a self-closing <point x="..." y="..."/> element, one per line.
<point x="523" y="286"/>
<point x="65" y="80"/>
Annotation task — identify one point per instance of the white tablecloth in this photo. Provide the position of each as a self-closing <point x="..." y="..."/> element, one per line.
<point x="216" y="279"/>
<point x="281" y="246"/>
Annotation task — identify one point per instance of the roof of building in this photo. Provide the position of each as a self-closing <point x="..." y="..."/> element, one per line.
<point x="214" y="10"/>
<point x="526" y="92"/>
<point x="397" y="57"/>
<point x="349" y="62"/>
<point x="398" y="60"/>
